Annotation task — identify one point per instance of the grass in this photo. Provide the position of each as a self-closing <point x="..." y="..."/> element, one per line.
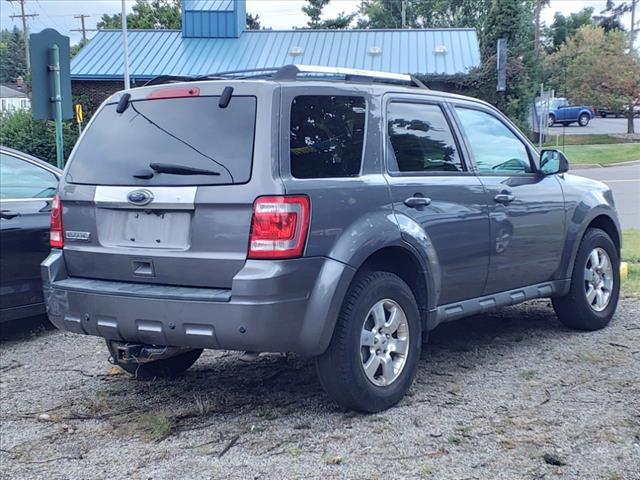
<point x="598" y="139"/>
<point x="631" y="245"/>
<point x="631" y="254"/>
<point x="603" y="154"/>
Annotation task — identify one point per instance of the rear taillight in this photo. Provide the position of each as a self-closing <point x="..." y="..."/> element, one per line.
<point x="279" y="226"/>
<point x="56" y="238"/>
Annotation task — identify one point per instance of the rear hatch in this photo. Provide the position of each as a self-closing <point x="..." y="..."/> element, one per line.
<point x="162" y="190"/>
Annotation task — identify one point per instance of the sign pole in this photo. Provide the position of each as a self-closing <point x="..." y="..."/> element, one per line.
<point x="54" y="69"/>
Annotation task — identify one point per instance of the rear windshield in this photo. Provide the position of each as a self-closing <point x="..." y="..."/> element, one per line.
<point x="188" y="132"/>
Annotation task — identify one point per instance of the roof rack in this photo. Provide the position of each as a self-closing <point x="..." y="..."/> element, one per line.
<point x="293" y="72"/>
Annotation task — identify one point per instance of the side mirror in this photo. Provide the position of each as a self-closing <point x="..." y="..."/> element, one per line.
<point x="553" y="162"/>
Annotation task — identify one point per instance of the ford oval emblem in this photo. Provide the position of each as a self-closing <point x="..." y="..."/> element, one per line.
<point x="140" y="197"/>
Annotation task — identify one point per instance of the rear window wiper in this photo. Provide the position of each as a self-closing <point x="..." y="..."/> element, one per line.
<point x="180" y="169"/>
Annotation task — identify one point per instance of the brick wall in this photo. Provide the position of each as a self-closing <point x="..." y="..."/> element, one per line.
<point x="91" y="93"/>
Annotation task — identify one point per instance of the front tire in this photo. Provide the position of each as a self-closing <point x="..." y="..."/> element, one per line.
<point x="166" y="368"/>
<point x="373" y="356"/>
<point x="583" y="120"/>
<point x="595" y="284"/>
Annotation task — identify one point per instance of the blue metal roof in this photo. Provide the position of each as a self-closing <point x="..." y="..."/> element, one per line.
<point x="208" y="5"/>
<point x="167" y="52"/>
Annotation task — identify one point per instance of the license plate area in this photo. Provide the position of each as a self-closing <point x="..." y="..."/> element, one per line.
<point x="149" y="229"/>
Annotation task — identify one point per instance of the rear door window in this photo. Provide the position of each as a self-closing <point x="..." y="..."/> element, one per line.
<point x="326" y="136"/>
<point x="420" y="140"/>
<point x="193" y="132"/>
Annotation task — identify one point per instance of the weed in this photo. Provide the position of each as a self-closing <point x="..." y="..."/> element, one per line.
<point x="156" y="426"/>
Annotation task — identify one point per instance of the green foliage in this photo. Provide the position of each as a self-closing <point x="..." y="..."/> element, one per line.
<point x="313" y="10"/>
<point x="564" y="27"/>
<point x="453" y="13"/>
<point x="611" y="17"/>
<point x="19" y="130"/>
<point x="159" y="14"/>
<point x="424" y="14"/>
<point x="147" y="14"/>
<point x="387" y="14"/>
<point x="253" y="22"/>
<point x="12" y="61"/>
<point x="595" y="67"/>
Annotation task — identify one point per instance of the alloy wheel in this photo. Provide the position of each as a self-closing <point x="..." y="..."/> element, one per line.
<point x="598" y="279"/>
<point x="384" y="342"/>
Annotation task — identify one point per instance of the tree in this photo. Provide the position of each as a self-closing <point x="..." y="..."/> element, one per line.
<point x="424" y="14"/>
<point x="538" y="5"/>
<point x="595" y="67"/>
<point x="159" y="14"/>
<point x="611" y="17"/>
<point x="387" y="14"/>
<point x="19" y="130"/>
<point x="148" y="14"/>
<point x="12" y="55"/>
<point x="453" y="13"/>
<point x="565" y="27"/>
<point x="513" y="20"/>
<point x="253" y="22"/>
<point x="313" y="10"/>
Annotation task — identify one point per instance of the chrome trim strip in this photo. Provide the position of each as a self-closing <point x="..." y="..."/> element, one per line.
<point x="169" y="198"/>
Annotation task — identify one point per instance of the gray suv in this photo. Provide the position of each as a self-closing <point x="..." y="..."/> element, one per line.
<point x="332" y="213"/>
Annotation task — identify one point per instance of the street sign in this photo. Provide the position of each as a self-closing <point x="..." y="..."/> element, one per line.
<point x="51" y="82"/>
<point x="42" y="80"/>
<point x="79" y="113"/>
<point x="502" y="65"/>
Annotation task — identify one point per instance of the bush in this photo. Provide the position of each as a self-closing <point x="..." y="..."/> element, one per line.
<point x="20" y="131"/>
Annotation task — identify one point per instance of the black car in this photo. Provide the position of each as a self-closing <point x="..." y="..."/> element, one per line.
<point x="27" y="186"/>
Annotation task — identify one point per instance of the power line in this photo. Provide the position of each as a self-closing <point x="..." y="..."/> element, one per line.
<point x="25" y="29"/>
<point x="83" y="28"/>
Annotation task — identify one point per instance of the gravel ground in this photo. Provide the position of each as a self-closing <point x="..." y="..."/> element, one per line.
<point x="493" y="397"/>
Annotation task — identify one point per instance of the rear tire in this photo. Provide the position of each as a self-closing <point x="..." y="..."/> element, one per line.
<point x="551" y="120"/>
<point x="373" y="356"/>
<point x="166" y="368"/>
<point x="595" y="284"/>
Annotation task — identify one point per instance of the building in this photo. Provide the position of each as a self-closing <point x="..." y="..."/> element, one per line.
<point x="214" y="39"/>
<point x="12" y="99"/>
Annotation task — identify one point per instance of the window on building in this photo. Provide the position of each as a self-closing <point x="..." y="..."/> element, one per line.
<point x="421" y="140"/>
<point x="326" y="136"/>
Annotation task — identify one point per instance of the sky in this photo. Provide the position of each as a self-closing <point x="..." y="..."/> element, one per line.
<point x="277" y="14"/>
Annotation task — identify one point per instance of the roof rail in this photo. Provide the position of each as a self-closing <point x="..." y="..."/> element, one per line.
<point x="292" y="72"/>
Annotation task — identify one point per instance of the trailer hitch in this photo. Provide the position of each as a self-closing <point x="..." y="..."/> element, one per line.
<point x="127" y="352"/>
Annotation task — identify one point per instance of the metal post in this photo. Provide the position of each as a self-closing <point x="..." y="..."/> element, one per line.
<point x="54" y="68"/>
<point x="125" y="43"/>
<point x="540" y="116"/>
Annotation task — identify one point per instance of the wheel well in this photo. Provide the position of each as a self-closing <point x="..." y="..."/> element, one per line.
<point x="603" y="222"/>
<point x="401" y="262"/>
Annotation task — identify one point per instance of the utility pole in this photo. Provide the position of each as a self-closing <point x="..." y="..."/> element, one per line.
<point x="25" y="30"/>
<point x="125" y="45"/>
<point x="404" y="13"/>
<point x="633" y="30"/>
<point x="83" y="28"/>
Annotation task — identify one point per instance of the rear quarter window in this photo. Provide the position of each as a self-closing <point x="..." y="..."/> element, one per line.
<point x="327" y="136"/>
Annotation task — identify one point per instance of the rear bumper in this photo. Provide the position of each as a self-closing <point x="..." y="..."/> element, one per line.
<point x="273" y="306"/>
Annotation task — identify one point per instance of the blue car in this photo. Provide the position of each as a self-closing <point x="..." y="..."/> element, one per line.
<point x="560" y="111"/>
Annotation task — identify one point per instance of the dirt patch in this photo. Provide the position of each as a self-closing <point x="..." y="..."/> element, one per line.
<point x="504" y="396"/>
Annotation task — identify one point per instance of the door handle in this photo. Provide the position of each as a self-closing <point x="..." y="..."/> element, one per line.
<point x="8" y="214"/>
<point x="504" y="198"/>
<point x="417" y="202"/>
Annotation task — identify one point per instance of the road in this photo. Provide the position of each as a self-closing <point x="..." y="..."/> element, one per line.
<point x="494" y="394"/>
<point x="596" y="126"/>
<point x="625" y="183"/>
